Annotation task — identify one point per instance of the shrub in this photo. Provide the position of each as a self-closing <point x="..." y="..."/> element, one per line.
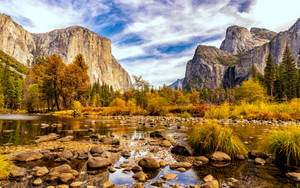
<point x="210" y="137"/>
<point x="220" y="112"/>
<point x="117" y="102"/>
<point x="5" y="167"/>
<point x="76" y="106"/>
<point x="185" y="115"/>
<point x="284" y="145"/>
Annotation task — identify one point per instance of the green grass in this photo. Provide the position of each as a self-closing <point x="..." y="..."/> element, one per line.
<point x="12" y="62"/>
<point x="210" y="137"/>
<point x="5" y="167"/>
<point x="284" y="145"/>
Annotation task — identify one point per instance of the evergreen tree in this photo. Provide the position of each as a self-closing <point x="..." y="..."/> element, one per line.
<point x="270" y="75"/>
<point x="278" y="84"/>
<point x="289" y="74"/>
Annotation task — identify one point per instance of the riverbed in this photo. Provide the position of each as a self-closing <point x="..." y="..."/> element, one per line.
<point x="18" y="133"/>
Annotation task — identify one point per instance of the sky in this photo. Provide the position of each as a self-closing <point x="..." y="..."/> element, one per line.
<point x="154" y="38"/>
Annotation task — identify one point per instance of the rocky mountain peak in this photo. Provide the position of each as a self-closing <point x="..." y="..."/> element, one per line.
<point x="295" y="27"/>
<point x="263" y="33"/>
<point x="68" y="42"/>
<point x="239" y="39"/>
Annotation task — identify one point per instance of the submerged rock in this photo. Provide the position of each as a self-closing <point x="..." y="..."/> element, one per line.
<point x="46" y="138"/>
<point x="169" y="177"/>
<point x="110" y="141"/>
<point x="148" y="163"/>
<point x="28" y="156"/>
<point x="157" y="134"/>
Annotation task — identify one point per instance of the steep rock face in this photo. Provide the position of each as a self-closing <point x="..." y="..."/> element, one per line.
<point x="15" y="41"/>
<point x="258" y="56"/>
<point x="96" y="50"/>
<point x="206" y="67"/>
<point x="68" y="42"/>
<point x="217" y="69"/>
<point x="239" y="39"/>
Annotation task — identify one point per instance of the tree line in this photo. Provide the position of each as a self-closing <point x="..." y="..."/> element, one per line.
<point x="52" y="85"/>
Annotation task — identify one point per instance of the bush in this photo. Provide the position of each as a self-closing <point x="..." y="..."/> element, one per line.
<point x="185" y="115"/>
<point x="220" y="112"/>
<point x="76" y="106"/>
<point x="5" y="167"/>
<point x="117" y="102"/>
<point x="284" y="145"/>
<point x="211" y="136"/>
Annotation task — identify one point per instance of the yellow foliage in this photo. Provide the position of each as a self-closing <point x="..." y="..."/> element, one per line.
<point x="251" y="91"/>
<point x="117" y="102"/>
<point x="76" y="106"/>
<point x="5" y="167"/>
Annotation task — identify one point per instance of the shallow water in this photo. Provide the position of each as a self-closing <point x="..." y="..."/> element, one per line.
<point x="23" y="130"/>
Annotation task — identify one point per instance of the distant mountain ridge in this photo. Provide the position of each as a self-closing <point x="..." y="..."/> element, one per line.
<point x="240" y="50"/>
<point x="177" y="84"/>
<point x="68" y="42"/>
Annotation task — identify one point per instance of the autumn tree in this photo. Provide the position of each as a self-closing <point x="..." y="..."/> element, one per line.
<point x="250" y="91"/>
<point x="195" y="97"/>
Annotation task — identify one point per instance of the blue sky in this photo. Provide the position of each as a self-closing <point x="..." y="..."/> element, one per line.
<point x="154" y="38"/>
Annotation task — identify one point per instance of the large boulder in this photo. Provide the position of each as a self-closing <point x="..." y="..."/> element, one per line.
<point x="28" y="156"/>
<point x="63" y="172"/>
<point x="17" y="172"/>
<point x="180" y="149"/>
<point x="98" y="162"/>
<point x="148" y="163"/>
<point x="40" y="171"/>
<point x="97" y="150"/>
<point x="220" y="157"/>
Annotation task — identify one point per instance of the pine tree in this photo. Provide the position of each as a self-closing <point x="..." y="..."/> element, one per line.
<point x="278" y="84"/>
<point x="289" y="74"/>
<point x="270" y="76"/>
<point x="253" y="72"/>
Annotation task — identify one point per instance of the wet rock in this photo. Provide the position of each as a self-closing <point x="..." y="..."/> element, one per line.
<point x="154" y="150"/>
<point x="17" y="172"/>
<point x="76" y="184"/>
<point x="169" y="177"/>
<point x="220" y="157"/>
<point x="240" y="157"/>
<point x="257" y="154"/>
<point x="62" y="172"/>
<point x="125" y="165"/>
<point x="180" y="165"/>
<point x="294" y="176"/>
<point x="98" y="162"/>
<point x="28" y="156"/>
<point x="220" y="164"/>
<point x="180" y="169"/>
<point x="66" y="139"/>
<point x="110" y="141"/>
<point x="47" y="138"/>
<point x="111" y="169"/>
<point x="210" y="182"/>
<point x="126" y="154"/>
<point x="157" y="134"/>
<point x="182" y="150"/>
<point x="162" y="164"/>
<point x="40" y="171"/>
<point x="66" y="155"/>
<point x="136" y="169"/>
<point x="140" y="176"/>
<point x="158" y="183"/>
<point x="148" y="163"/>
<point x="96" y="150"/>
<point x="66" y="177"/>
<point x="37" y="182"/>
<point x="165" y="143"/>
<point x="203" y="159"/>
<point x="259" y="161"/>
<point x="138" y="185"/>
<point x="108" y="184"/>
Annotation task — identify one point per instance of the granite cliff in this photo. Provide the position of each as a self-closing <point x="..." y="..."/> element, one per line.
<point x="68" y="42"/>
<point x="241" y="49"/>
